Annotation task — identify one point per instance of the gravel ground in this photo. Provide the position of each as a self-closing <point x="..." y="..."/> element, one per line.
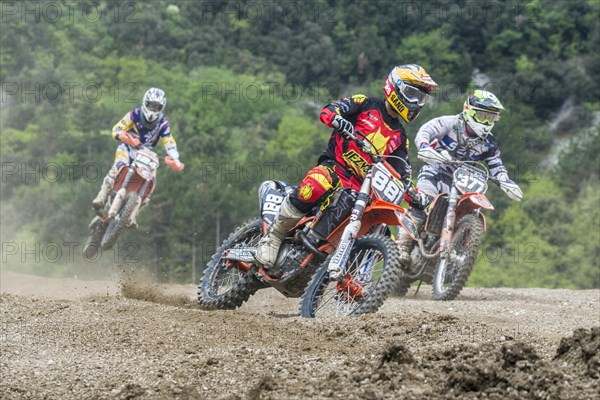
<point x="129" y="339"/>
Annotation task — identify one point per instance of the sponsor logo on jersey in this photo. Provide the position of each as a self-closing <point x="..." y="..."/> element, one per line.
<point x="378" y="140"/>
<point x="368" y="123"/>
<point x="449" y="143"/>
<point x="356" y="162"/>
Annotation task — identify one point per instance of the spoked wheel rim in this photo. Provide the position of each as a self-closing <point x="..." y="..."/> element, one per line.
<point x="363" y="270"/>
<point x="450" y="267"/>
<point x="227" y="276"/>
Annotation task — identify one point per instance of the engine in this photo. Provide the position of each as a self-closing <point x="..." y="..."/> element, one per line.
<point x="294" y="278"/>
<point x="289" y="258"/>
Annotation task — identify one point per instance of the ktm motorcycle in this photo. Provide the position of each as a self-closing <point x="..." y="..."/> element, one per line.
<point x="133" y="185"/>
<point x="345" y="232"/>
<point x="447" y="246"/>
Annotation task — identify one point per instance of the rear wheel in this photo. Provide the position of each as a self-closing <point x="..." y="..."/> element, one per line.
<point x="223" y="286"/>
<point x="371" y="273"/>
<point x="120" y="221"/>
<point x="452" y="274"/>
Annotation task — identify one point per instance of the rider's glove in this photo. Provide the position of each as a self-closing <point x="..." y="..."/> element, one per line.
<point x="175" y="165"/>
<point x="512" y="190"/>
<point x="431" y="156"/>
<point x="447" y="157"/>
<point x="129" y="139"/>
<point x="342" y="125"/>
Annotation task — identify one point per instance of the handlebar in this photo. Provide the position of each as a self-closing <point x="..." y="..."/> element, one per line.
<point x="364" y="143"/>
<point x="473" y="165"/>
<point x="143" y="146"/>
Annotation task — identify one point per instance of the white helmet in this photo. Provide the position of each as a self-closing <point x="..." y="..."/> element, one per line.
<point x="480" y="112"/>
<point x="153" y="105"/>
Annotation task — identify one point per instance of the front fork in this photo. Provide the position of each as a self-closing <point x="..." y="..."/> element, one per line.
<point x="120" y="196"/>
<point x="448" y="228"/>
<point x="337" y="264"/>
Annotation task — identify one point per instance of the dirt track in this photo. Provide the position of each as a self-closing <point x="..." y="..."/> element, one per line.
<point x="74" y="339"/>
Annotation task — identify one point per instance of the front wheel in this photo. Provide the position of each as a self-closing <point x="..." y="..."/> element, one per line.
<point x="452" y="274"/>
<point x="402" y="286"/>
<point x="92" y="245"/>
<point x="223" y="286"/>
<point x="371" y="273"/>
<point x="120" y="221"/>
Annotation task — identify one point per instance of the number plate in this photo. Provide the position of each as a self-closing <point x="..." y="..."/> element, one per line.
<point x="147" y="160"/>
<point x="387" y="186"/>
<point x="468" y="181"/>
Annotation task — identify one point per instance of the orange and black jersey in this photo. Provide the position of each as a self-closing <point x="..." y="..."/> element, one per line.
<point x="370" y="117"/>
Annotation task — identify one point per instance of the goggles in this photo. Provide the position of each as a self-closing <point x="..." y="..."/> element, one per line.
<point x="483" y="116"/>
<point x="413" y="94"/>
<point x="154" y="106"/>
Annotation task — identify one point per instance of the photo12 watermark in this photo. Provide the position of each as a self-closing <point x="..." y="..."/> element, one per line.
<point x="255" y="12"/>
<point x="51" y="172"/>
<point x="68" y="11"/>
<point x="470" y="11"/>
<point x="264" y="91"/>
<point x="226" y="172"/>
<point x="13" y="253"/>
<point x="68" y="91"/>
<point x="516" y="252"/>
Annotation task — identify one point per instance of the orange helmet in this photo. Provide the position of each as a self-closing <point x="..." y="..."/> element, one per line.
<point x="407" y="90"/>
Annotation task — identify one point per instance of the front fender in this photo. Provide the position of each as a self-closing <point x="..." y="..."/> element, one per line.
<point x="381" y="212"/>
<point x="471" y="202"/>
<point x="376" y="213"/>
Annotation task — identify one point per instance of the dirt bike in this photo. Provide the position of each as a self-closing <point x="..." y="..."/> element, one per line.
<point x="133" y="185"/>
<point x="344" y="230"/>
<point x="447" y="245"/>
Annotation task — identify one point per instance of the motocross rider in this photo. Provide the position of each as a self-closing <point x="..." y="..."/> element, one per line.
<point x="343" y="163"/>
<point x="466" y="136"/>
<point x="143" y="125"/>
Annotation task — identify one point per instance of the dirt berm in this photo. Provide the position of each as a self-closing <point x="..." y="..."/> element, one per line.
<point x="76" y="339"/>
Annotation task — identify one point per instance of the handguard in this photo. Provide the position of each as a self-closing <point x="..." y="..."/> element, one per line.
<point x="430" y="156"/>
<point x="175" y="165"/>
<point x="511" y="189"/>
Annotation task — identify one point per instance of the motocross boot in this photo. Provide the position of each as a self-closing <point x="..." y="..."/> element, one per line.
<point x="268" y="247"/>
<point x="404" y="242"/>
<point x="134" y="224"/>
<point x="102" y="195"/>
